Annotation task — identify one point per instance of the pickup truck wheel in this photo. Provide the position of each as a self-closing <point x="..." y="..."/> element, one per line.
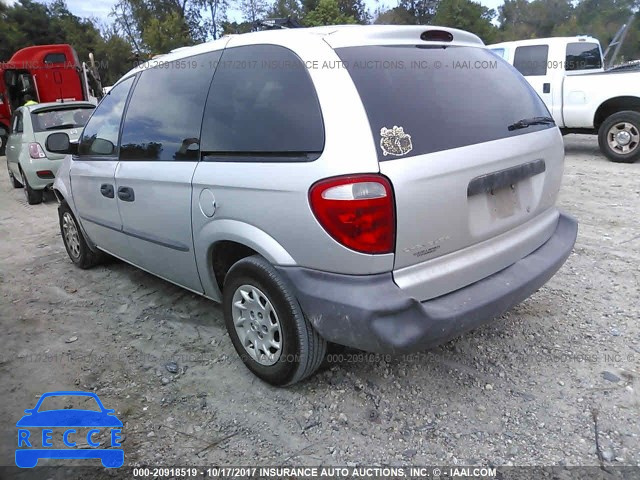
<point x="266" y="324"/>
<point x="74" y="242"/>
<point x="619" y="137"/>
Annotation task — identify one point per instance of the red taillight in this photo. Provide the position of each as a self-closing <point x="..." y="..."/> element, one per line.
<point x="357" y="211"/>
<point x="35" y="151"/>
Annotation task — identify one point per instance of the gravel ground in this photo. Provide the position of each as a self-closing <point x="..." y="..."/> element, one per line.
<point x="523" y="390"/>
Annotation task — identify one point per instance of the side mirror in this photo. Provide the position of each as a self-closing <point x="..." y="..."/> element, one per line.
<point x="59" y="143"/>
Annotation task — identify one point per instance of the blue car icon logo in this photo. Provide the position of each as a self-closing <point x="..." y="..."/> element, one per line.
<point x="35" y="433"/>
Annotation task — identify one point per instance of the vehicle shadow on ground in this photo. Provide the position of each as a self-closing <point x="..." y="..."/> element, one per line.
<point x="145" y="289"/>
<point x="583" y="149"/>
<point x="156" y="298"/>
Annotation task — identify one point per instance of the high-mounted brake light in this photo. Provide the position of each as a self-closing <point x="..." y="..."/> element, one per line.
<point x="35" y="151"/>
<point x="357" y="211"/>
<point x="436" y="36"/>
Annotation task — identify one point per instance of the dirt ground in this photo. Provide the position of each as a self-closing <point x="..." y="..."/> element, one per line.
<point x="521" y="391"/>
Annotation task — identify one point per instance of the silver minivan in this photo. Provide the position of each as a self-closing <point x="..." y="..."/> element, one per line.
<point x="380" y="187"/>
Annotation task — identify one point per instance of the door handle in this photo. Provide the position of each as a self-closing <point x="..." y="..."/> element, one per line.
<point x="546" y="88"/>
<point x="106" y="190"/>
<point x="126" y="194"/>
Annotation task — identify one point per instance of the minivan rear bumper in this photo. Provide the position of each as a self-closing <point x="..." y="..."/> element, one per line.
<point x="371" y="313"/>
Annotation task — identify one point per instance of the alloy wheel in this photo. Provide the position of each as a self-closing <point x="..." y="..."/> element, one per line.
<point x="71" y="234"/>
<point x="623" y="138"/>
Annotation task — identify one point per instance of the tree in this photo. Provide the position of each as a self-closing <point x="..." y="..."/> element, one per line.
<point x="355" y="9"/>
<point x="612" y="14"/>
<point x="467" y="15"/>
<point x="285" y="9"/>
<point x="236" y="28"/>
<point x="327" y="13"/>
<point x="114" y="56"/>
<point x="82" y="33"/>
<point x="25" y="23"/>
<point x="217" y="9"/>
<point x="520" y="19"/>
<point x="162" y="35"/>
<point x="146" y="24"/>
<point x="422" y="11"/>
<point x="395" y="16"/>
<point x="128" y="18"/>
<point x="253" y="10"/>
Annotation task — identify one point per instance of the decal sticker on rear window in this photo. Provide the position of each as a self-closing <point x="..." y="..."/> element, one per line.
<point x="394" y="141"/>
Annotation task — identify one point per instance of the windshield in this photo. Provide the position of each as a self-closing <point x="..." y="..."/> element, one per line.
<point x="442" y="98"/>
<point x="61" y="119"/>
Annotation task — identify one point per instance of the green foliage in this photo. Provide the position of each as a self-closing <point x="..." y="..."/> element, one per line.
<point x="253" y="10"/>
<point x="234" y="28"/>
<point x="422" y="11"/>
<point x="156" y="26"/>
<point x="601" y="19"/>
<point x="395" y="16"/>
<point x="467" y="15"/>
<point x="355" y="9"/>
<point x="327" y="13"/>
<point x="26" y="23"/>
<point x="285" y="9"/>
<point x="213" y="26"/>
<point x="161" y="35"/>
<point x="114" y="52"/>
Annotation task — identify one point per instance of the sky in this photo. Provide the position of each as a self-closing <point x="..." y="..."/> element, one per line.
<point x="102" y="8"/>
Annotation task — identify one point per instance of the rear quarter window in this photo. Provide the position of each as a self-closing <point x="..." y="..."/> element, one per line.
<point x="583" y="56"/>
<point x="531" y="60"/>
<point x="262" y="106"/>
<point x="442" y="98"/>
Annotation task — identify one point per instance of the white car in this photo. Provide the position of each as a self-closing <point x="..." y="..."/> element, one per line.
<point x="568" y="73"/>
<point x="30" y="165"/>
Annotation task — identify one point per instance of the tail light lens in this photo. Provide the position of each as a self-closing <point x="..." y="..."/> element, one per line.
<point x="45" y="174"/>
<point x="357" y="211"/>
<point x="36" y="151"/>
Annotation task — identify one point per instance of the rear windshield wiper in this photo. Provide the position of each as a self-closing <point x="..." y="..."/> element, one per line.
<point x="527" y="122"/>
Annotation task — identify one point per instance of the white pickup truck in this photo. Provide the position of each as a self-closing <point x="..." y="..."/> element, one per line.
<point x="583" y="97"/>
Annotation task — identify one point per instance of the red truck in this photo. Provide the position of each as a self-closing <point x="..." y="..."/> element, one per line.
<point x="48" y="73"/>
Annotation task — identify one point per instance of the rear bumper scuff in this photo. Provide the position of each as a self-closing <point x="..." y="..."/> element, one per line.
<point x="372" y="313"/>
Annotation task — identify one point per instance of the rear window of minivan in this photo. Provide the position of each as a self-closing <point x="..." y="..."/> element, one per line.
<point x="442" y="98"/>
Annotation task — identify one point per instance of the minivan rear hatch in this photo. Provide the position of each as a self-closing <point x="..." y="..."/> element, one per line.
<point x="473" y="158"/>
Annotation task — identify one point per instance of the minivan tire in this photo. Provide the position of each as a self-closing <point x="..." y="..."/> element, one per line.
<point x="302" y="349"/>
<point x="74" y="242"/>
<point x="631" y="121"/>
<point x="34" y="197"/>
